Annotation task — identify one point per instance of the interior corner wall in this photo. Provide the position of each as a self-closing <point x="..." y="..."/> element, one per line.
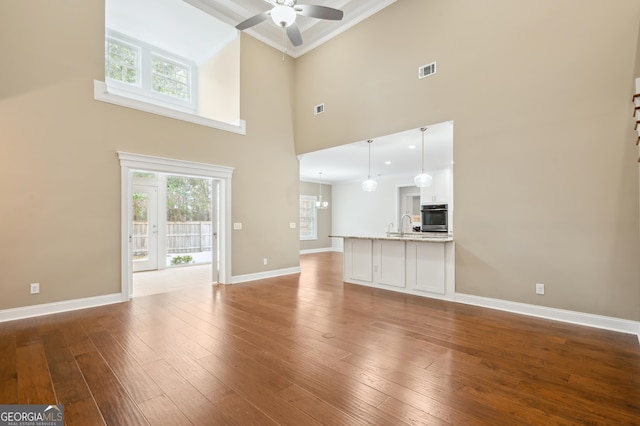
<point x="324" y="217"/>
<point x="60" y="174"/>
<point x="219" y="84"/>
<point x="546" y="179"/>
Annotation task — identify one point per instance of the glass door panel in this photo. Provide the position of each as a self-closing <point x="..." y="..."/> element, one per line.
<point x="144" y="235"/>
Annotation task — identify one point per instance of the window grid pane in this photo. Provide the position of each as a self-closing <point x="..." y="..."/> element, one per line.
<point x="170" y="79"/>
<point x="121" y="63"/>
<point x="308" y="224"/>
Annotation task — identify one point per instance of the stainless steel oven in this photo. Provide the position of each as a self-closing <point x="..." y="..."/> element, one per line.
<point x="435" y="218"/>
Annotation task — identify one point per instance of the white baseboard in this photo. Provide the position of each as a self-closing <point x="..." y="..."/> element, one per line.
<point x="266" y="274"/>
<point x="572" y="317"/>
<point x="58" y="307"/>
<point x="318" y="250"/>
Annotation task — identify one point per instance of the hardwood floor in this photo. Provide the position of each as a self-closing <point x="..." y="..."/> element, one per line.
<point x="308" y="350"/>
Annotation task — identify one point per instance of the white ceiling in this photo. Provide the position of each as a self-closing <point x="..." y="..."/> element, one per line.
<point x="314" y="31"/>
<point x="211" y="23"/>
<point x="171" y="24"/>
<point x="349" y="163"/>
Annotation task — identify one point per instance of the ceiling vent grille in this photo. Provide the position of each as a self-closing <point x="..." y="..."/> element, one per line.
<point x="318" y="109"/>
<point x="426" y="70"/>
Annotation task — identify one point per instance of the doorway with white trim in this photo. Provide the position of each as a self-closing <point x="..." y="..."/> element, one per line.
<point x="174" y="214"/>
<point x="174" y="226"/>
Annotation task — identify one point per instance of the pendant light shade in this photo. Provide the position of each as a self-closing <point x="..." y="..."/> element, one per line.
<point x="321" y="204"/>
<point x="422" y="180"/>
<point x="369" y="185"/>
<point x="283" y="16"/>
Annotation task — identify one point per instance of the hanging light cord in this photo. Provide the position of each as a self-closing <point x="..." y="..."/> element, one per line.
<point x="284" y="42"/>
<point x="423" y="129"/>
<point x="369" y="141"/>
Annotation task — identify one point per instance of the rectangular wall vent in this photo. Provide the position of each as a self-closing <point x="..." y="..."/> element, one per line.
<point x="318" y="109"/>
<point x="427" y="70"/>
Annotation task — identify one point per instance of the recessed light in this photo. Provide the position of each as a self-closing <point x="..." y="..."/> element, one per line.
<point x="387" y="162"/>
<point x="412" y="147"/>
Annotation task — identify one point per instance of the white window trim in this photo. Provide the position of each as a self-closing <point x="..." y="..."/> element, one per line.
<point x="312" y="198"/>
<point x="101" y="93"/>
<point x="143" y="90"/>
<point x="137" y="85"/>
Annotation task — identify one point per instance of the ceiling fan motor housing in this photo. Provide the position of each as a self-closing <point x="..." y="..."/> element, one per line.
<point x="289" y="3"/>
<point x="283" y="16"/>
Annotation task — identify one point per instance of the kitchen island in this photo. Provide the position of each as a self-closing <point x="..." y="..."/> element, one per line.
<point x="416" y="264"/>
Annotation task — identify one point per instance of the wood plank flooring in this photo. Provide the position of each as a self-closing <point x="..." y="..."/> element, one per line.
<point x="307" y="349"/>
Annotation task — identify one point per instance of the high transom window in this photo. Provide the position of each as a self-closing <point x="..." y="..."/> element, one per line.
<point x="172" y="58"/>
<point x="122" y="62"/>
<point x="149" y="73"/>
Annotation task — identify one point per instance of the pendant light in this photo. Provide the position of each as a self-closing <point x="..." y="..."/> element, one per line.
<point x="369" y="185"/>
<point x="423" y="180"/>
<point x="319" y="203"/>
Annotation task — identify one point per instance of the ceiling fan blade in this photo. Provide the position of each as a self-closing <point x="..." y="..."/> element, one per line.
<point x="320" y="12"/>
<point x="294" y="34"/>
<point x="253" y="20"/>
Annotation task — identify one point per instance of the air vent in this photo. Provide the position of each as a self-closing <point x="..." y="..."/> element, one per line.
<point x="427" y="70"/>
<point x="318" y="109"/>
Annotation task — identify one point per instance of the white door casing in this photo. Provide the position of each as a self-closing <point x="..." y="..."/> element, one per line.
<point x="130" y="162"/>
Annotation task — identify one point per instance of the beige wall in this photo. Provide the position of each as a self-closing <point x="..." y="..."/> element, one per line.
<point x="546" y="179"/>
<point x="540" y="95"/>
<point x="60" y="176"/>
<point x="219" y="84"/>
<point x="323" y="217"/>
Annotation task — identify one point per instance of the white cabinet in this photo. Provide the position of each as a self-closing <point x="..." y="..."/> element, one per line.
<point x="388" y="263"/>
<point x="358" y="260"/>
<point x="422" y="267"/>
<point x="425" y="269"/>
<point x="440" y="190"/>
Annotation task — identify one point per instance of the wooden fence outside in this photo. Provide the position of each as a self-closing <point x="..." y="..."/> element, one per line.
<point x="182" y="237"/>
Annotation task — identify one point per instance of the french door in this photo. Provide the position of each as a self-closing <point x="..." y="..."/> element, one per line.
<point x="144" y="236"/>
<point x="151" y="231"/>
<point x="133" y="168"/>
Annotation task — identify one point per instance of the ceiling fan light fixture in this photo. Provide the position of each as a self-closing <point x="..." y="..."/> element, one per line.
<point x="283" y="16"/>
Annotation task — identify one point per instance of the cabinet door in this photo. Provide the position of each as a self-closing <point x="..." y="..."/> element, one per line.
<point x="440" y="190"/>
<point x="426" y="267"/>
<point x="440" y="193"/>
<point x="389" y="262"/>
<point x="358" y="259"/>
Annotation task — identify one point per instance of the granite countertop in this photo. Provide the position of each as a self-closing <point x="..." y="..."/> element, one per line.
<point x="409" y="236"/>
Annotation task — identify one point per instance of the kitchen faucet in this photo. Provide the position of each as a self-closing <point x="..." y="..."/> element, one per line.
<point x="401" y="228"/>
<point x="389" y="226"/>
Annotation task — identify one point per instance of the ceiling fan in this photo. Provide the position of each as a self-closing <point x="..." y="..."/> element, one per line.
<point x="284" y="14"/>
